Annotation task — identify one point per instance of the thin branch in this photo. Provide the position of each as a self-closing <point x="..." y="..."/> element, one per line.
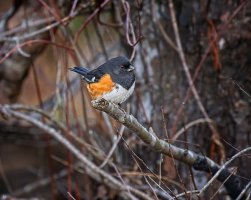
<point x="148" y="137"/>
<point x="243" y="191"/>
<point x="190" y="80"/>
<point x="193" y="192"/>
<point x="198" y="162"/>
<point x="129" y="29"/>
<point x="97" y="153"/>
<point x="90" y="17"/>
<point x="22" y="52"/>
<point x="204" y="57"/>
<point x="4" y="178"/>
<point x="42" y="182"/>
<point x="223" y="167"/>
<point x="31" y="24"/>
<point x="189" y="125"/>
<point x="40" y="31"/>
<point x="113" y="147"/>
<point x="29" y="42"/>
<point x="73" y="7"/>
<point x="70" y="195"/>
<point x="233" y="172"/>
<point x="241" y="88"/>
<point x="91" y="169"/>
<point x="166" y="36"/>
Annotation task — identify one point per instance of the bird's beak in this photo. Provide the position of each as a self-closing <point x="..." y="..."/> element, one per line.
<point x="131" y="68"/>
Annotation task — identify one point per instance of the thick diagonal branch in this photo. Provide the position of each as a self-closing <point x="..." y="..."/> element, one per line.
<point x="199" y="162"/>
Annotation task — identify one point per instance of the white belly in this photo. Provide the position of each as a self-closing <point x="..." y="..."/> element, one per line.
<point x="119" y="94"/>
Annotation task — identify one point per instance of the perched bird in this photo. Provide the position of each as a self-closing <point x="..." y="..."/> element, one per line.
<point x="113" y="81"/>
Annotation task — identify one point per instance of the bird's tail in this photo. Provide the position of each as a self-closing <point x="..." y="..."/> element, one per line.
<point x="80" y="70"/>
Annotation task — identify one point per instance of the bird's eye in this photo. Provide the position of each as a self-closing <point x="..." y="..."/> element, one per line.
<point x="122" y="66"/>
<point x="127" y="67"/>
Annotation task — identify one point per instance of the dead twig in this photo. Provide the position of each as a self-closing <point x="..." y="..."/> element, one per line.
<point x="29" y="42"/>
<point x="149" y="138"/>
<point x="204" y="57"/>
<point x="91" y="169"/>
<point x="129" y="29"/>
<point x="113" y="147"/>
<point x="189" y="157"/>
<point x="90" y="17"/>
<point x="243" y="191"/>
<point x="166" y="36"/>
<point x="223" y="167"/>
<point x="39" y="31"/>
<point x="42" y="182"/>
<point x="191" y="84"/>
<point x="96" y="152"/>
<point x="189" y="125"/>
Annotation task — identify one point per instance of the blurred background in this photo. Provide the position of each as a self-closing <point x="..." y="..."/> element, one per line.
<point x="41" y="39"/>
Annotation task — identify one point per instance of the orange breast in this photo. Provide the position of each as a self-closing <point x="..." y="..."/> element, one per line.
<point x="104" y="85"/>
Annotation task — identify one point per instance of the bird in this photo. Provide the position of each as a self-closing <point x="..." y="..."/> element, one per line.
<point x="113" y="81"/>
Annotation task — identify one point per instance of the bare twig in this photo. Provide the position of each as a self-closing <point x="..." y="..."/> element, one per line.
<point x="22" y="27"/>
<point x="75" y="2"/>
<point x="186" y="156"/>
<point x="91" y="169"/>
<point x="19" y="48"/>
<point x="70" y="195"/>
<point x="229" y="176"/>
<point x="193" y="192"/>
<point x="192" y="159"/>
<point x="243" y="191"/>
<point x="40" y="31"/>
<point x="42" y="182"/>
<point x="90" y="17"/>
<point x="164" y="178"/>
<point x="166" y="36"/>
<point x="4" y="178"/>
<point x="113" y="147"/>
<point x="223" y="167"/>
<point x="122" y="180"/>
<point x="28" y="43"/>
<point x="129" y="29"/>
<point x="97" y="153"/>
<point x="190" y="81"/>
<point x="241" y="88"/>
<point x="150" y="186"/>
<point x="205" y="55"/>
<point x="152" y="140"/>
<point x="189" y="125"/>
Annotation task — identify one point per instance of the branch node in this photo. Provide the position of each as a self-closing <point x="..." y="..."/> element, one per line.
<point x="99" y="104"/>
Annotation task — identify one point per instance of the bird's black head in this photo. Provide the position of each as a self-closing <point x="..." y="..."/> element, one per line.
<point x="121" y="71"/>
<point x="119" y="65"/>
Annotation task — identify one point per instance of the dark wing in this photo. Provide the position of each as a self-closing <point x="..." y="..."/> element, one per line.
<point x="91" y="76"/>
<point x="94" y="75"/>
